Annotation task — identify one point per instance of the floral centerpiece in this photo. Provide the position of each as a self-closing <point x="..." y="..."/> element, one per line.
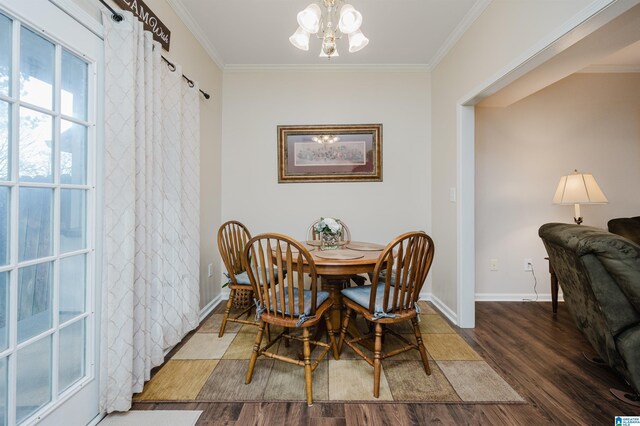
<point x="330" y="231"/>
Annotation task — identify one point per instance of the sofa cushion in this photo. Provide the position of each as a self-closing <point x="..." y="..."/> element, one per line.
<point x="627" y="227"/>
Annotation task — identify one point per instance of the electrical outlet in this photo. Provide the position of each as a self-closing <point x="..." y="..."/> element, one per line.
<point x="210" y="270"/>
<point x="528" y="265"/>
<point x="493" y="264"/>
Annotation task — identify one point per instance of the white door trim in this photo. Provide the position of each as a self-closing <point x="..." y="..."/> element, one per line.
<point x="466" y="253"/>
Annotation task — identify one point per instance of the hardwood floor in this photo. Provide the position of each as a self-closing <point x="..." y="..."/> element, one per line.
<point x="537" y="353"/>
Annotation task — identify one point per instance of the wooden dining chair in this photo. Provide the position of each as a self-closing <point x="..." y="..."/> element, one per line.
<point x="232" y="239"/>
<point x="398" y="277"/>
<point x="284" y="301"/>
<point x="312" y="235"/>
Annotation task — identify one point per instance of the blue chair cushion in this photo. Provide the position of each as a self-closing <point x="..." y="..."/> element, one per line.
<point x="361" y="296"/>
<point x="243" y="278"/>
<point x="321" y="296"/>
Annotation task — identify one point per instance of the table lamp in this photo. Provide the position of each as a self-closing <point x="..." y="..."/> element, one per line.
<point x="578" y="188"/>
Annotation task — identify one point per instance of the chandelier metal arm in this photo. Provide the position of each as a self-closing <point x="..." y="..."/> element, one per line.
<point x="337" y="35"/>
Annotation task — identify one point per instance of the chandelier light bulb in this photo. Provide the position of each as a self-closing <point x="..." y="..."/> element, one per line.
<point x="300" y="39"/>
<point x="357" y="41"/>
<point x="309" y="18"/>
<point x="350" y="19"/>
<point x="325" y="139"/>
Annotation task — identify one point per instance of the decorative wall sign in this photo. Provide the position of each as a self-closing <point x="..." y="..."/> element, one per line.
<point x="335" y="153"/>
<point x="151" y="22"/>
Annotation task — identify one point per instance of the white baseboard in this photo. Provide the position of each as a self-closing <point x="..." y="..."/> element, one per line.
<point x="441" y="306"/>
<point x="515" y="297"/>
<point x="203" y="314"/>
<point x="211" y="306"/>
<point x="97" y="419"/>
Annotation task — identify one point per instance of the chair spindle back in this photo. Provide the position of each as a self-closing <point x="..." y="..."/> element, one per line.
<point x="232" y="239"/>
<point x="274" y="291"/>
<point x="406" y="261"/>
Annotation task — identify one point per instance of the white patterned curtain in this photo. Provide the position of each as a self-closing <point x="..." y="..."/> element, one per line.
<point x="150" y="296"/>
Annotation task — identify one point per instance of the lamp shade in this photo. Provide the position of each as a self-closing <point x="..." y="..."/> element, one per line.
<point x="300" y="39"/>
<point x="357" y="41"/>
<point x="309" y="18"/>
<point x="350" y="19"/>
<point x="579" y="188"/>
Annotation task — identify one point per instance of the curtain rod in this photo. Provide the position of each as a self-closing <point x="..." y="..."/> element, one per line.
<point x="114" y="15"/>
<point x="118" y="18"/>
<point x="172" y="67"/>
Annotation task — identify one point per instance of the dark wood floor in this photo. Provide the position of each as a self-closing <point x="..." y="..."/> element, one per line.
<point x="537" y="353"/>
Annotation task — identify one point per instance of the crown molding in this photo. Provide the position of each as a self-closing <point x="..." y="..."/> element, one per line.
<point x="610" y="69"/>
<point x="468" y="19"/>
<point x="238" y="68"/>
<point x="191" y="24"/>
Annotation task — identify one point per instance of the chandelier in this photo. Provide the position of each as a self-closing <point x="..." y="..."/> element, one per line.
<point x="332" y="25"/>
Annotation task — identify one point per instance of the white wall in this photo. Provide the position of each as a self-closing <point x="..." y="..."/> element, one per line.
<point x="198" y="66"/>
<point x="586" y="121"/>
<point x="496" y="41"/>
<point x="256" y="102"/>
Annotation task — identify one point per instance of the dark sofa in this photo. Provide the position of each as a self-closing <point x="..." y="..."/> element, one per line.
<point x="599" y="273"/>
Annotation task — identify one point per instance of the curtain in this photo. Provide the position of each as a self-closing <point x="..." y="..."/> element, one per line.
<point x="150" y="279"/>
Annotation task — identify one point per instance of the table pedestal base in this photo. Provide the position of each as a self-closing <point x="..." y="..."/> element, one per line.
<point x="334" y="286"/>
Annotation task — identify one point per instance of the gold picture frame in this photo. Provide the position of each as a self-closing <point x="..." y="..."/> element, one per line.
<point x="330" y="153"/>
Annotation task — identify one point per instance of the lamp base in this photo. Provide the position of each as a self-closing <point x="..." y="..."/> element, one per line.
<point x="578" y="220"/>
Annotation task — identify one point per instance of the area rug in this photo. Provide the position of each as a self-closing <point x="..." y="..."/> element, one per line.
<point x="211" y="369"/>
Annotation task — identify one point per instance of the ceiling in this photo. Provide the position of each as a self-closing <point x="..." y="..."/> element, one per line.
<point x="256" y="32"/>
<point x="628" y="56"/>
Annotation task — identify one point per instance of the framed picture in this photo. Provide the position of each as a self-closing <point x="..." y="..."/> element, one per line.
<point x="330" y="153"/>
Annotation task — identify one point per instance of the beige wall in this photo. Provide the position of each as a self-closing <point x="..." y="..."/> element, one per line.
<point x="256" y="103"/>
<point x="587" y="121"/>
<point x="198" y="66"/>
<point x="499" y="37"/>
